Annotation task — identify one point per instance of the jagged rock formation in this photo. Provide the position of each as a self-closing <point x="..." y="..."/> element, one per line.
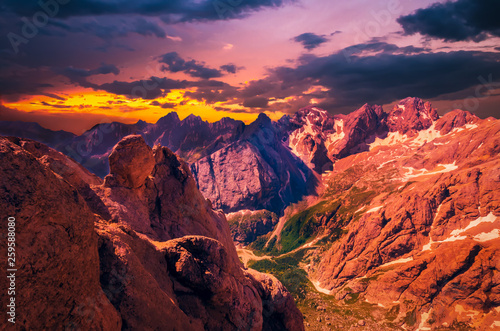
<point x="256" y="172"/>
<point x="57" y="278"/>
<point x="321" y="139"/>
<point x="161" y="259"/>
<point x="411" y="115"/>
<point x="421" y="217"/>
<point x="265" y="165"/>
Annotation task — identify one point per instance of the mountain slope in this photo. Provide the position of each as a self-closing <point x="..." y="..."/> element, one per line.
<point x="31" y="130"/>
<point x="256" y="172"/>
<point x="173" y="268"/>
<point x="411" y="225"/>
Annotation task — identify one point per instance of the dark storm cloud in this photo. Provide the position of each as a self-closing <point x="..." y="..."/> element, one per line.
<point x="174" y="63"/>
<point x="170" y="10"/>
<point x="108" y="28"/>
<point x="211" y="93"/>
<point x="55" y="96"/>
<point x="230" y="68"/>
<point x="24" y="81"/>
<point x="310" y="40"/>
<point x="166" y="105"/>
<point x="382" y="47"/>
<point x="461" y="20"/>
<point x="77" y="73"/>
<point x="54" y="105"/>
<point x="151" y="88"/>
<point x="256" y="102"/>
<point x="391" y="74"/>
<point x="385" y="77"/>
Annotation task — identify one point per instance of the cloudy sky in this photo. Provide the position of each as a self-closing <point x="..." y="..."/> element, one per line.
<point x="69" y="64"/>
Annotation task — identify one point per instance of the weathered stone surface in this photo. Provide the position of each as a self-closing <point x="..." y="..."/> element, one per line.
<point x="424" y="240"/>
<point x="57" y="278"/>
<point x="279" y="310"/>
<point x="454" y="119"/>
<point x="130" y="163"/>
<point x="256" y="172"/>
<point x="411" y="115"/>
<point x="151" y="276"/>
<point x="247" y="225"/>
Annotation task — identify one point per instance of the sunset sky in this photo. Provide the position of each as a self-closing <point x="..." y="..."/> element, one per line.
<point x="73" y="63"/>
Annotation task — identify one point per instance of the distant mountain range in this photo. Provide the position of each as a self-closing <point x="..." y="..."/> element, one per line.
<point x="395" y="214"/>
<point x="263" y="165"/>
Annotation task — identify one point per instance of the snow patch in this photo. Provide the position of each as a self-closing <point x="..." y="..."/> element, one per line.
<point x="391" y="139"/>
<point x="383" y="164"/>
<point x="337" y="135"/>
<point x="458" y="234"/>
<point x="320" y="289"/>
<point x="490" y="218"/>
<point x="298" y="136"/>
<point x="412" y="172"/>
<point x="405" y="260"/>
<point x="426" y="136"/>
<point x="471" y="126"/>
<point x="374" y="209"/>
<point x="360" y="209"/>
<point x="482" y="237"/>
<point x="437" y="213"/>
<point x="423" y="319"/>
<point x="468" y="126"/>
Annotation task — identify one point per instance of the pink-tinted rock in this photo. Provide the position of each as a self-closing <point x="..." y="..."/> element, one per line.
<point x="130" y="163"/>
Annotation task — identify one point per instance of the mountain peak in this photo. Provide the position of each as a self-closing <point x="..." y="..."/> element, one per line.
<point x="313" y="113"/>
<point x="455" y="119"/>
<point x="411" y="115"/>
<point x="171" y="117"/>
<point x="263" y="117"/>
<point x="192" y="119"/>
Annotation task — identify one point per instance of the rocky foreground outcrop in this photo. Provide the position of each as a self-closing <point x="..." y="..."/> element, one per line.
<point x="141" y="250"/>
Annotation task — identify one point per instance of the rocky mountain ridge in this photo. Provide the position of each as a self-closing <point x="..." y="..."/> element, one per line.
<point x="401" y="218"/>
<point x="141" y="250"/>
<point x="409" y="226"/>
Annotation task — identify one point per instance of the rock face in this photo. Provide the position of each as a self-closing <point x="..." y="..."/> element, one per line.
<point x="256" y="172"/>
<point x="57" y="278"/>
<point x="191" y="138"/>
<point x="422" y="228"/>
<point x="411" y="115"/>
<point x="214" y="150"/>
<point x="161" y="259"/>
<point x="307" y="134"/>
<point x="247" y="225"/>
<point x="320" y="139"/>
<point x="130" y="162"/>
<point x="454" y="120"/>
